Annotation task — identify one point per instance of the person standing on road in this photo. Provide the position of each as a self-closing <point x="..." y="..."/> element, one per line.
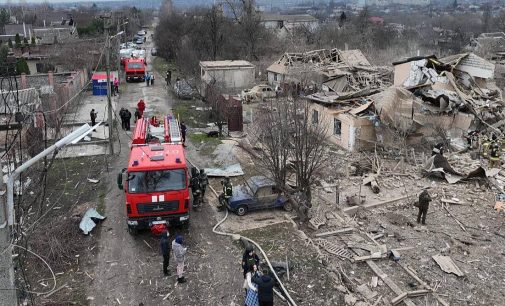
<point x="169" y="77"/>
<point x="165" y="251"/>
<point x="204" y="182"/>
<point x="92" y="115"/>
<point x="424" y="204"/>
<point x="265" y="288"/>
<point x="141" y="107"/>
<point x="128" y="117"/>
<point x="148" y="78"/>
<point x="179" y="254"/>
<point x="251" y="297"/>
<point x="183" y="133"/>
<point x="137" y="115"/>
<point x="116" y="85"/>
<point x="122" y="115"/>
<point x="152" y="79"/>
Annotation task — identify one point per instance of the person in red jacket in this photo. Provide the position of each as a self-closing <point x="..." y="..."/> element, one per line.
<point x="141" y="107"/>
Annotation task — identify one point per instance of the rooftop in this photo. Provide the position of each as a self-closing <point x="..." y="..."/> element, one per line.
<point x="226" y="64"/>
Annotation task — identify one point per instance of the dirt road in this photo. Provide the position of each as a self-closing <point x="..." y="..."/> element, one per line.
<point x="128" y="269"/>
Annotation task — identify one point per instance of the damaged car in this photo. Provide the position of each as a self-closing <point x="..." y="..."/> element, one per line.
<point x="258" y="93"/>
<point x="258" y="192"/>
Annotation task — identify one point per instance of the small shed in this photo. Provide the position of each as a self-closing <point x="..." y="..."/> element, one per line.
<point x="99" y="80"/>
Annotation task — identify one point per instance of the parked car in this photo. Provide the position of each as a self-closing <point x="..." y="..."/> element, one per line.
<point x="154" y="51"/>
<point x="258" y="93"/>
<point x="139" y="40"/>
<point x="259" y="192"/>
<point x="183" y="89"/>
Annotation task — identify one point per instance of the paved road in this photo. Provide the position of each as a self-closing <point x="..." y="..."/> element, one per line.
<point x="128" y="269"/>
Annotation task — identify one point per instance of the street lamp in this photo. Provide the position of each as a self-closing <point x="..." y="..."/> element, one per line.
<point x="83" y="130"/>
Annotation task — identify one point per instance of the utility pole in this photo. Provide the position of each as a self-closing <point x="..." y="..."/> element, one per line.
<point x="107" y="70"/>
<point x="8" y="296"/>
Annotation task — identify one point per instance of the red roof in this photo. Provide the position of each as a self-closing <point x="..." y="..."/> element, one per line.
<point x="102" y="76"/>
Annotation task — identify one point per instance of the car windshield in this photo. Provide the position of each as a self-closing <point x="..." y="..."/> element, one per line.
<point x="252" y="186"/>
<point x="156" y="181"/>
<point x="134" y="65"/>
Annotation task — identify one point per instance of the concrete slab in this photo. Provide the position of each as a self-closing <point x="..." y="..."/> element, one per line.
<point x="81" y="150"/>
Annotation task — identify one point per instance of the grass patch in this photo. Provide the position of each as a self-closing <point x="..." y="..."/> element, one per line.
<point x="202" y="137"/>
<point x="186" y="111"/>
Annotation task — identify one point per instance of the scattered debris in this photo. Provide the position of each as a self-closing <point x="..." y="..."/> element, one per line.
<point x="87" y="223"/>
<point x="447" y="265"/>
<point x="93" y="181"/>
<point x="230" y="171"/>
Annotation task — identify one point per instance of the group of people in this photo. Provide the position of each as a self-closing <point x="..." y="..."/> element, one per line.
<point x="125" y="116"/>
<point x="198" y="184"/>
<point x="179" y="252"/>
<point x="258" y="285"/>
<point x="149" y="78"/>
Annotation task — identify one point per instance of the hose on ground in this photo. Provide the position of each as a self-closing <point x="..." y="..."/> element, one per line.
<point x="286" y="296"/>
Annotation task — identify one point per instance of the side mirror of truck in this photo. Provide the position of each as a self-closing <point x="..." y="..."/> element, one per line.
<point x="120" y="179"/>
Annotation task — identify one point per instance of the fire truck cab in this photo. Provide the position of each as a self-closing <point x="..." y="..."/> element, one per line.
<point x="156" y="181"/>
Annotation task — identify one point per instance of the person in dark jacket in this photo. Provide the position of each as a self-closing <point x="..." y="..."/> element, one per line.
<point x="249" y="259"/>
<point x="265" y="288"/>
<point x="122" y="116"/>
<point x="128" y="117"/>
<point x="165" y="251"/>
<point x="183" y="133"/>
<point x="424" y="204"/>
<point x="138" y="115"/>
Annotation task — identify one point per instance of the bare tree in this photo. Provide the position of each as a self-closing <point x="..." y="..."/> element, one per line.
<point x="293" y="138"/>
<point x="250" y="29"/>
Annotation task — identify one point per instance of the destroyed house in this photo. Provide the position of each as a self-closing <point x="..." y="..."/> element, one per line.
<point x="446" y="94"/>
<point x="350" y="124"/>
<point x="318" y="66"/>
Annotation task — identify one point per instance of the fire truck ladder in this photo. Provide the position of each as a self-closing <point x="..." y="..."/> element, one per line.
<point x="140" y="133"/>
<point x="172" y="130"/>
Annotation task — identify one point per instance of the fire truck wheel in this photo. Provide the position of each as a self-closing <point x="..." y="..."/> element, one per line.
<point x="241" y="210"/>
<point x="133" y="231"/>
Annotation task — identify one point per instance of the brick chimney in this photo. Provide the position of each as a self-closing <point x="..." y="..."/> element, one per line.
<point x="50" y="76"/>
<point x="24" y="83"/>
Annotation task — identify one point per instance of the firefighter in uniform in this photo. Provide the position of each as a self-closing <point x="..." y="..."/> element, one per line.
<point x="204" y="182"/>
<point x="227" y="193"/>
<point x="484" y="147"/>
<point x="495" y="156"/>
<point x="195" y="188"/>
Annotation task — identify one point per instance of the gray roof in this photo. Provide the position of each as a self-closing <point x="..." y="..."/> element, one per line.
<point x="27" y="99"/>
<point x="13" y="29"/>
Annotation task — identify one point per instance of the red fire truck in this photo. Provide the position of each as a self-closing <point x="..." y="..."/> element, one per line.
<point x="135" y="69"/>
<point x="156" y="180"/>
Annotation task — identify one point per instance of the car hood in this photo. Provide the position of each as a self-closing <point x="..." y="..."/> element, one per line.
<point x="240" y="193"/>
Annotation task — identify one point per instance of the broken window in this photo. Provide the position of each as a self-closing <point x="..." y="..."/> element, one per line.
<point x="315" y="117"/>
<point x="337" y="127"/>
<point x="275" y="77"/>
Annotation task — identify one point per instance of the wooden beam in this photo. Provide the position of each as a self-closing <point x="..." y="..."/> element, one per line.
<point x="340" y="231"/>
<point x="352" y="209"/>
<point x="423" y="283"/>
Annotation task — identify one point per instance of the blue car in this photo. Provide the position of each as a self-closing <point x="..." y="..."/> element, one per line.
<point x="258" y="192"/>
